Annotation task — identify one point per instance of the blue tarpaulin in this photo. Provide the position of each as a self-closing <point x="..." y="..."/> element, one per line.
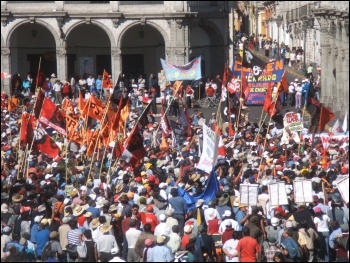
<point x="209" y="193"/>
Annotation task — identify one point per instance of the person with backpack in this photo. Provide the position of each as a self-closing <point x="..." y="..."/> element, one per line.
<point x="53" y="248"/>
<point x="41" y="237"/>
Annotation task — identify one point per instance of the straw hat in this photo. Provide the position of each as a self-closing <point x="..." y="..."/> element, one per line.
<point x="74" y="192"/>
<point x="118" y="188"/>
<point x="223" y="199"/>
<point x="113" y="208"/>
<point x="17" y="198"/>
<point x="95" y="223"/>
<point x="236" y="202"/>
<point x="195" y="177"/>
<point x="105" y="228"/>
<point x="78" y="210"/>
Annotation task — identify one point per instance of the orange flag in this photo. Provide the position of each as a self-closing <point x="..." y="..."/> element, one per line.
<point x="74" y="132"/>
<point x="269" y="105"/>
<point x="325" y="116"/>
<point x="177" y="86"/>
<point x="164" y="145"/>
<point x="107" y="135"/>
<point x="94" y="108"/>
<point x="67" y="105"/>
<point x="106" y="81"/>
<point x="92" y="143"/>
<point x="81" y="103"/>
<point x="13" y="103"/>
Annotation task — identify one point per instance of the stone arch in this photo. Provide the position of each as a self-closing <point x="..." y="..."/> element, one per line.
<point x="2" y="41"/>
<point x="150" y="23"/>
<point x="40" y="22"/>
<point x="97" y="23"/>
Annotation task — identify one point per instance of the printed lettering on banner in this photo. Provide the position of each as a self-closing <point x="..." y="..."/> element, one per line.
<point x="209" y="153"/>
<point x="292" y="121"/>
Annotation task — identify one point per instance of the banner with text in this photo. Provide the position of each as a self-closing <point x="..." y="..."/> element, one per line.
<point x="292" y="121"/>
<point x="273" y="72"/>
<point x="210" y="150"/>
<point x="189" y="71"/>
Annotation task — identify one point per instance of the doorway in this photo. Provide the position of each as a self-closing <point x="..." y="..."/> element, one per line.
<point x="133" y="65"/>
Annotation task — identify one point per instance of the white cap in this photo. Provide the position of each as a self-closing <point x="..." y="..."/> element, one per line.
<point x="83" y="188"/>
<point x="162" y="217"/>
<point x="161" y="185"/>
<point x="48" y="176"/>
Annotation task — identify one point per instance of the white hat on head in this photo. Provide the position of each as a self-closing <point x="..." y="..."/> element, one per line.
<point x="53" y="75"/>
<point x="296" y="80"/>
<point x="162" y="217"/>
<point x="227" y="213"/>
<point x="48" y="176"/>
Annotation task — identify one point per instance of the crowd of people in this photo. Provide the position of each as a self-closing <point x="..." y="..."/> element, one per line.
<point x="99" y="208"/>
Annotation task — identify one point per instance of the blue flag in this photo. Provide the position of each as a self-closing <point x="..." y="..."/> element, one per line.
<point x="209" y="193"/>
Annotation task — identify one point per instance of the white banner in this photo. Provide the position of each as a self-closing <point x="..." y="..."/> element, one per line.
<point x="303" y="191"/>
<point x="278" y="195"/>
<point x="343" y="187"/>
<point x="209" y="150"/>
<point x="292" y="121"/>
<point x="249" y="194"/>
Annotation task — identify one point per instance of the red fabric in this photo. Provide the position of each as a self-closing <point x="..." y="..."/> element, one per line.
<point x="125" y="225"/>
<point x="245" y="87"/>
<point x="213" y="226"/>
<point x="106" y="81"/>
<point x="151" y="219"/>
<point x="325" y="116"/>
<point x="184" y="241"/>
<point x="81" y="219"/>
<point x="248" y="247"/>
<point x="227" y="234"/>
<point x="269" y="106"/>
<point x="210" y="91"/>
<point x="66" y="89"/>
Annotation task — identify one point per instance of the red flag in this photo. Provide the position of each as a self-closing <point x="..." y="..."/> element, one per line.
<point x="106" y="81"/>
<point x="231" y="132"/>
<point x="245" y="87"/>
<point x="40" y="79"/>
<point x="269" y="105"/>
<point x="188" y="127"/>
<point x="53" y="117"/>
<point x="325" y="116"/>
<point x="118" y="149"/>
<point x="133" y="148"/>
<point x="82" y="103"/>
<point x="221" y="147"/>
<point x="13" y="103"/>
<point x="283" y="85"/>
<point x="324" y="160"/>
<point x="39" y="103"/>
<point x="164" y="146"/>
<point x="122" y="102"/>
<point x="45" y="143"/>
<point x="164" y="124"/>
<point x="27" y="131"/>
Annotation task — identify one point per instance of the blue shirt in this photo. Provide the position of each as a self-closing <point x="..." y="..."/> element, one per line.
<point x="239" y="216"/>
<point x="41" y="237"/>
<point x="94" y="211"/>
<point x="161" y="254"/>
<point x="33" y="231"/>
<point x="178" y="204"/>
<point x="18" y="246"/>
<point x="98" y="84"/>
<point x="332" y="236"/>
<point x="291" y="246"/>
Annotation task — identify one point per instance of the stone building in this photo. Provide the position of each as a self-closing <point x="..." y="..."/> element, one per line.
<point x="322" y="29"/>
<point x="83" y="37"/>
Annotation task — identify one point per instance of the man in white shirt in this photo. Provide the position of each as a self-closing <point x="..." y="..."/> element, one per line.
<point x="162" y="192"/>
<point x="229" y="249"/>
<point x="57" y="89"/>
<point x="162" y="229"/>
<point x="174" y="239"/>
<point x="131" y="236"/>
<point x="291" y="94"/>
<point x="227" y="217"/>
<point x="263" y="198"/>
<point x="90" y="82"/>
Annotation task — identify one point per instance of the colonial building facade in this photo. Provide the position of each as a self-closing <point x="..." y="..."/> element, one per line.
<point x="321" y="28"/>
<point x="87" y="37"/>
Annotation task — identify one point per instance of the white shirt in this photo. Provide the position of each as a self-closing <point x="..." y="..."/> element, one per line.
<point x="163" y="194"/>
<point x="90" y="81"/>
<point x="162" y="229"/>
<point x="291" y="88"/>
<point x="322" y="225"/>
<point x="57" y="87"/>
<point x="174" y="242"/>
<point x="230" y="245"/>
<point x="131" y="236"/>
<point x="292" y="56"/>
<point x="222" y="226"/>
<point x="299" y="57"/>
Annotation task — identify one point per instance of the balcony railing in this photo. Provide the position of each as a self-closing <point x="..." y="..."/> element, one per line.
<point x="28" y="2"/>
<point x="141" y="2"/>
<point x="202" y="3"/>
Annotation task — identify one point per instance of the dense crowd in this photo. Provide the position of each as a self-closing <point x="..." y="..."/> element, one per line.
<point x="99" y="208"/>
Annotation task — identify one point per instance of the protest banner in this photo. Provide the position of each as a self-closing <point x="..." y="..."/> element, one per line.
<point x="273" y="72"/>
<point x="278" y="195"/>
<point x="343" y="187"/>
<point x="303" y="191"/>
<point x="292" y="121"/>
<point x="249" y="194"/>
<point x="210" y="152"/>
<point x="189" y="71"/>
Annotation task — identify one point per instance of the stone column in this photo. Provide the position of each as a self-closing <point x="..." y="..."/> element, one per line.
<point x="6" y="67"/>
<point x="61" y="56"/>
<point x="116" y="63"/>
<point x="178" y="46"/>
<point x="344" y="66"/>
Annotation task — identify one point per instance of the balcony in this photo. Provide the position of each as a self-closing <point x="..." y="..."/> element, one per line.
<point x="86" y="2"/>
<point x="202" y="3"/>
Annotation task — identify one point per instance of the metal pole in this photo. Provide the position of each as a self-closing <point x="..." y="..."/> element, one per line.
<point x="278" y="39"/>
<point x="305" y="50"/>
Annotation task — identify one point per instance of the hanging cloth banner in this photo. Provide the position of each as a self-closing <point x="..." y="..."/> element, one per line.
<point x="189" y="71"/>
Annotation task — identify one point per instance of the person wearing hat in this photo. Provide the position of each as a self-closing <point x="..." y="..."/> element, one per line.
<point x="223" y="205"/>
<point x="146" y="235"/>
<point x="41" y="237"/>
<point x="241" y="216"/>
<point x="186" y="237"/>
<point x="162" y="228"/>
<point x="161" y="252"/>
<point x="55" y="249"/>
<point x="171" y="221"/>
<point x="290" y="247"/>
<point x="227" y="217"/>
<point x="115" y="256"/>
<point x="105" y="243"/>
<point x="62" y="233"/>
<point x="94" y="226"/>
<point x="131" y="235"/>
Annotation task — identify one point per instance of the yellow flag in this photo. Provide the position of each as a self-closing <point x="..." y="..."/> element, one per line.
<point x="199" y="218"/>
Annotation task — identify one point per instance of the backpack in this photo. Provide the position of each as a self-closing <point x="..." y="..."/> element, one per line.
<point x="47" y="251"/>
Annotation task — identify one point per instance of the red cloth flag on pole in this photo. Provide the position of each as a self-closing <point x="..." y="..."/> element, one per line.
<point x="133" y="148"/>
<point x="45" y="143"/>
<point x="245" y="87"/>
<point x="53" y="117"/>
<point x="269" y="105"/>
<point x="27" y="131"/>
<point x="325" y="116"/>
<point x="106" y="81"/>
<point x="39" y="103"/>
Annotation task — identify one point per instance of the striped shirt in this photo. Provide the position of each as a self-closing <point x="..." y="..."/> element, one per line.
<point x="73" y="236"/>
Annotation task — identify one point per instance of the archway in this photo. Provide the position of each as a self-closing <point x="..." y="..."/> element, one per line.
<point x="88" y="51"/>
<point x="142" y="46"/>
<point x="207" y="41"/>
<point x="28" y="43"/>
